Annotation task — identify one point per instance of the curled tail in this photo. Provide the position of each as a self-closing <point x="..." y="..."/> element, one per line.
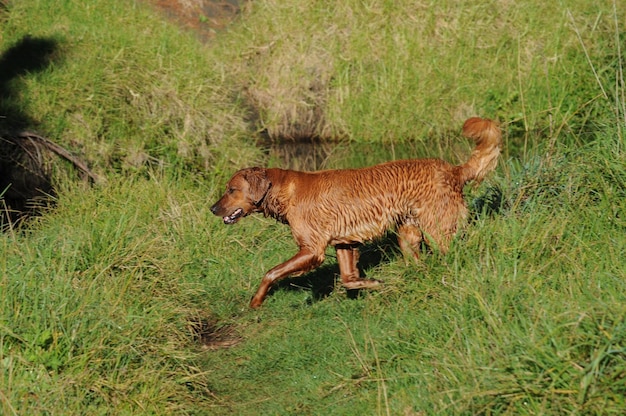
<point x="488" y="137"/>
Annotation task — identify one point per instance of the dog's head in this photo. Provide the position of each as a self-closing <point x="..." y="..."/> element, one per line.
<point x="244" y="193"/>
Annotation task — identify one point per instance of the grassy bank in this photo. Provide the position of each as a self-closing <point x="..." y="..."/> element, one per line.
<point x="130" y="297"/>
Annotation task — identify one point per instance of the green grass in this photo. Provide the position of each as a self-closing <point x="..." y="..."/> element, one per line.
<point x="122" y="298"/>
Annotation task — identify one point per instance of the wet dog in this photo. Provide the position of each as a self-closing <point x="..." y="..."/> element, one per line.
<point x="422" y="199"/>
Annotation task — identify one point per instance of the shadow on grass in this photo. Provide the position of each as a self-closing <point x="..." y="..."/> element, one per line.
<point x="490" y="203"/>
<point x="30" y="54"/>
<point x="25" y="184"/>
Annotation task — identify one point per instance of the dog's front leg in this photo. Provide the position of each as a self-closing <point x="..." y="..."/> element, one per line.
<point x="348" y="258"/>
<point x="302" y="262"/>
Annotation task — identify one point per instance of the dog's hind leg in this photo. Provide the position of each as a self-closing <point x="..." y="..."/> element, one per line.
<point x="302" y="262"/>
<point x="348" y="257"/>
<point x="439" y="234"/>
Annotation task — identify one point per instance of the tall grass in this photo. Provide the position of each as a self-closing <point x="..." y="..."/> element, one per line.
<point x="123" y="299"/>
<point x="423" y="68"/>
<point x="92" y="318"/>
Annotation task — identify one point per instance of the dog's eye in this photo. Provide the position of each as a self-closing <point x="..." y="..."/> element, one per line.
<point x="231" y="190"/>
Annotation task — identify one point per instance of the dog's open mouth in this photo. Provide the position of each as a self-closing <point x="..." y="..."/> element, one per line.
<point x="232" y="218"/>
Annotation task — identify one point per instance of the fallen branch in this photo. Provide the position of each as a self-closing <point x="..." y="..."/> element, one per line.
<point x="60" y="151"/>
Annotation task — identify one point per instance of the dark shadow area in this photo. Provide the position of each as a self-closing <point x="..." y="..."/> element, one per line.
<point x="25" y="184"/>
<point x="307" y="154"/>
<point x="320" y="282"/>
<point x="210" y="334"/>
<point x="490" y="203"/>
<point x="30" y="54"/>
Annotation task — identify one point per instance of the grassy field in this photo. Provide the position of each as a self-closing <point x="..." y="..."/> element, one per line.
<point x="130" y="297"/>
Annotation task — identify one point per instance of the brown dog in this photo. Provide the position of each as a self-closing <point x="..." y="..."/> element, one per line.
<point x="420" y="198"/>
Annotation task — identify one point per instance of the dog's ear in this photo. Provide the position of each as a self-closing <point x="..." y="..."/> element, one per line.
<point x="259" y="183"/>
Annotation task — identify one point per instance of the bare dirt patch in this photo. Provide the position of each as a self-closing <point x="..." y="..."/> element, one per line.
<point x="211" y="335"/>
<point x="204" y="17"/>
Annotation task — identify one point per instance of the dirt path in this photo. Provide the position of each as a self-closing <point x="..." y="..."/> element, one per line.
<point x="205" y="17"/>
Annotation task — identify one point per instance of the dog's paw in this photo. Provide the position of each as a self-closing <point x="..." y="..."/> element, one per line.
<point x="256" y="303"/>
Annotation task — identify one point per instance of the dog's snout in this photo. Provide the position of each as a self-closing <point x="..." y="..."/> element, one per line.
<point x="214" y="209"/>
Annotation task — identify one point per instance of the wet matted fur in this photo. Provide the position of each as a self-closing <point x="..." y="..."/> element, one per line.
<point x="343" y="208"/>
